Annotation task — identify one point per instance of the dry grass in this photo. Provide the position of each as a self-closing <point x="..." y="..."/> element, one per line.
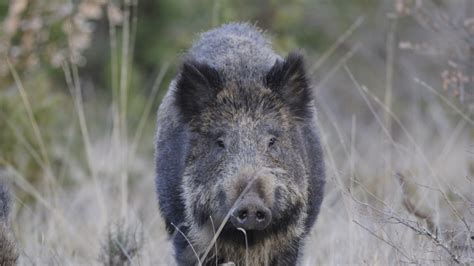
<point x="363" y="219"/>
<point x="366" y="216"/>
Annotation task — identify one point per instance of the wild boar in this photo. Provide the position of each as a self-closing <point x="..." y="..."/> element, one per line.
<point x="238" y="149"/>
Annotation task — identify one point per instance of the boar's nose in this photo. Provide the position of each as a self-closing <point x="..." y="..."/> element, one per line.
<point x="251" y="214"/>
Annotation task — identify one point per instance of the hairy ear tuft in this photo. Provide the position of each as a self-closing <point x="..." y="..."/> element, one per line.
<point x="197" y="85"/>
<point x="288" y="79"/>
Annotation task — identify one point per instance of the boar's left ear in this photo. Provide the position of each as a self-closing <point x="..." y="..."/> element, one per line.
<point x="197" y="85"/>
<point x="288" y="79"/>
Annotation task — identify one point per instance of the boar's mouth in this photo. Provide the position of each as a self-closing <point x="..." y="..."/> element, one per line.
<point x="283" y="222"/>
<point x="233" y="235"/>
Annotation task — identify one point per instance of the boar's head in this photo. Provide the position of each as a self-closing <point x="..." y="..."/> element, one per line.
<point x="246" y="162"/>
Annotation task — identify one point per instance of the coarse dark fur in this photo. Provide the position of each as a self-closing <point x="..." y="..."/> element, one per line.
<point x="8" y="251"/>
<point x="238" y="118"/>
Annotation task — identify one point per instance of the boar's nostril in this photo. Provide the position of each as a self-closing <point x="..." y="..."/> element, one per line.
<point x="260" y="216"/>
<point x="242" y="215"/>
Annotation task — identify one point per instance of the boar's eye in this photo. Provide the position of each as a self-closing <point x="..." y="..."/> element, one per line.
<point x="220" y="143"/>
<point x="272" y="141"/>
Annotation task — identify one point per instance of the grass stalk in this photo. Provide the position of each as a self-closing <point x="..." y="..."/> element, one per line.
<point x="74" y="85"/>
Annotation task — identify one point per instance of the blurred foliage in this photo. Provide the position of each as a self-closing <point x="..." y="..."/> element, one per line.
<point x="38" y="37"/>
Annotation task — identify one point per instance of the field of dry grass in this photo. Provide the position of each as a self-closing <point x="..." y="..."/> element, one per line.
<point x="400" y="176"/>
<point x="364" y="218"/>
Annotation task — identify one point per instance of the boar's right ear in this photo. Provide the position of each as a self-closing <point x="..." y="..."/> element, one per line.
<point x="197" y="85"/>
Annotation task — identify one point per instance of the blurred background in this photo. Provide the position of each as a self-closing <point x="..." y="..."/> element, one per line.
<point x="80" y="83"/>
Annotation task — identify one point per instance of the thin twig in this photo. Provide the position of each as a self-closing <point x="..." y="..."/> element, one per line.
<point x="189" y="243"/>
<point x="226" y="218"/>
<point x="389" y="72"/>
<point x="34" y="125"/>
<point x="407" y="133"/>
<point x="215" y="244"/>
<point x="338" y="43"/>
<point x="434" y="238"/>
<point x="74" y="85"/>
<point x="124" y="71"/>
<point x="148" y="105"/>
<point x="338" y="65"/>
<point x="449" y="103"/>
<point x="246" y="246"/>
<point x="383" y="240"/>
<point x="411" y="208"/>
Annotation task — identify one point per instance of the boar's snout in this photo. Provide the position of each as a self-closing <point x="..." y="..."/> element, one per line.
<point x="251" y="214"/>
